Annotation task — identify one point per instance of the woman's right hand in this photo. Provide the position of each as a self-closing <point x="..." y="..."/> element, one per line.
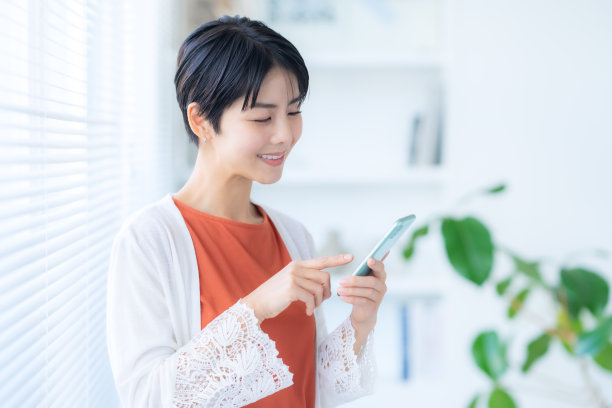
<point x="299" y="280"/>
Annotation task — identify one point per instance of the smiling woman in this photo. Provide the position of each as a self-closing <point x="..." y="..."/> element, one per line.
<point x="249" y="142"/>
<point x="213" y="299"/>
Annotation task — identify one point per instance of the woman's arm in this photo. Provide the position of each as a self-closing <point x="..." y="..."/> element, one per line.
<point x="344" y="373"/>
<point x="230" y="360"/>
<point x="361" y="335"/>
<point x="346" y="362"/>
<point x="365" y="293"/>
<point x="231" y="363"/>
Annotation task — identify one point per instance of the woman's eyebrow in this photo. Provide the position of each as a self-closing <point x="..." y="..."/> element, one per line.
<point x="272" y="105"/>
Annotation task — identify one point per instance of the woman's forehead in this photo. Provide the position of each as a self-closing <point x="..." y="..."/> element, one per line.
<point x="278" y="84"/>
<point x="278" y="89"/>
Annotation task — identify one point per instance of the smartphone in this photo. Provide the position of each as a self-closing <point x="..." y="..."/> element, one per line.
<point x="397" y="230"/>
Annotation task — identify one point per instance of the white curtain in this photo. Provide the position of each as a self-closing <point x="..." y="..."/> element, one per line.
<point x="79" y="150"/>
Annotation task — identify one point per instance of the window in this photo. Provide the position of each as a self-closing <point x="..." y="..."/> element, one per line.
<point x="70" y="154"/>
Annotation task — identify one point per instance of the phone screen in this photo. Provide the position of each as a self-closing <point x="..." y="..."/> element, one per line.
<point x="386" y="243"/>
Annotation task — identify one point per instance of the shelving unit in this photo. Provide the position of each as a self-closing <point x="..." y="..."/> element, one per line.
<point x="408" y="62"/>
<point x="382" y="125"/>
<point x="401" y="287"/>
<point x="418" y="176"/>
<point x="355" y="165"/>
<point x="411" y="320"/>
<point x="404" y="394"/>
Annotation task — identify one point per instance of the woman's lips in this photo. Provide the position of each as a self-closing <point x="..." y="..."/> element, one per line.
<point x="274" y="162"/>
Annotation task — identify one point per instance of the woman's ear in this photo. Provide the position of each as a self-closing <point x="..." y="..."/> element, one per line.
<point x="198" y="123"/>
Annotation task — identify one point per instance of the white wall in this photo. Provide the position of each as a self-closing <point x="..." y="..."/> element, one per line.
<point x="529" y="103"/>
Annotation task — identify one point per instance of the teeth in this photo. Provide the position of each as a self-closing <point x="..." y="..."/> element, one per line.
<point x="267" y="156"/>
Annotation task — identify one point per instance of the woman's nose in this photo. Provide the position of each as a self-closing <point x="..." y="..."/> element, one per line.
<point x="283" y="132"/>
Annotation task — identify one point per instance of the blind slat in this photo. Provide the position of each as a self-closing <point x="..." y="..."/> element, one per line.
<point x="25" y="388"/>
<point x="99" y="194"/>
<point x="19" y="310"/>
<point x="54" y="115"/>
<point x="48" y="253"/>
<point x="77" y="97"/>
<point x="52" y="188"/>
<point x="109" y="168"/>
<point x="50" y="157"/>
<point x="80" y="139"/>
<point x="22" y="334"/>
<point x="35" y="220"/>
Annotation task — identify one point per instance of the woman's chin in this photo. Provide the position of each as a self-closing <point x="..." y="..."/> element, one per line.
<point x="270" y="179"/>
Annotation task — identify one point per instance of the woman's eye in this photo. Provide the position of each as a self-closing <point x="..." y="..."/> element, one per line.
<point x="267" y="119"/>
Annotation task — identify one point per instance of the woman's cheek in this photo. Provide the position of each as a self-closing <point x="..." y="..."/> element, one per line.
<point x="297" y="131"/>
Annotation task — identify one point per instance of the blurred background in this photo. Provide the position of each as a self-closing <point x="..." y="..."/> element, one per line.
<point x="413" y="105"/>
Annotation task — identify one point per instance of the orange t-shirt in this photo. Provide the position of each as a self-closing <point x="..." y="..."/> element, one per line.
<point x="234" y="258"/>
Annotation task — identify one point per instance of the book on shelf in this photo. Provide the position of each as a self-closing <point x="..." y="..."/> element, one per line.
<point x="426" y="133"/>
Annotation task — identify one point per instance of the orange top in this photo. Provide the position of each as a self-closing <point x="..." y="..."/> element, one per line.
<point x="234" y="258"/>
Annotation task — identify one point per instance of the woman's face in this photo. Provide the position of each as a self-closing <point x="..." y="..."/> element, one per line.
<point x="271" y="128"/>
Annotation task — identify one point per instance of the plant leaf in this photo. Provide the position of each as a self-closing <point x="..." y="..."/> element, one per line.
<point x="502" y="286"/>
<point x="469" y="248"/>
<point x="496" y="189"/>
<point x="593" y="341"/>
<point x="570" y="327"/>
<point x="604" y="357"/>
<point x="568" y="347"/>
<point x="535" y="350"/>
<point x="421" y="232"/>
<point x="518" y="302"/>
<point x="490" y="354"/>
<point x="584" y="289"/>
<point x="529" y="269"/>
<point x="474" y="401"/>
<point x="501" y="399"/>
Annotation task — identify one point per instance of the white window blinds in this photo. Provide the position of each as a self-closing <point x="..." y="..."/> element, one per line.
<point x="74" y="160"/>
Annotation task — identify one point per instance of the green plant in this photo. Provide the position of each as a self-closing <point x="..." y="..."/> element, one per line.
<point x="579" y="298"/>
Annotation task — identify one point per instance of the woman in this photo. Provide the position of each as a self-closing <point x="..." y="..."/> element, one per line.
<point x="213" y="298"/>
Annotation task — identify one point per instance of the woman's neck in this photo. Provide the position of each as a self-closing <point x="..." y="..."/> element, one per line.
<point x="219" y="195"/>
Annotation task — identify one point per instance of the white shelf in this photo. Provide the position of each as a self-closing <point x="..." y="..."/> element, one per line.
<point x="427" y="176"/>
<point x="376" y="61"/>
<point x="395" y="393"/>
<point x="402" y="287"/>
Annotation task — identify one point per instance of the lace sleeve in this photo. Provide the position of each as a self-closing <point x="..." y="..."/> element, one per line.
<point x="345" y="376"/>
<point x="231" y="363"/>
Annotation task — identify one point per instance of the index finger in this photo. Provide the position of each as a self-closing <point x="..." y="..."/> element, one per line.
<point x="327" y="261"/>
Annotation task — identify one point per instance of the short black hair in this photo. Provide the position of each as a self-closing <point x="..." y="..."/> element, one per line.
<point x="228" y="58"/>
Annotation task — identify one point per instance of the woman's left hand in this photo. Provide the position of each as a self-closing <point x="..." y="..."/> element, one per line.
<point x="365" y="293"/>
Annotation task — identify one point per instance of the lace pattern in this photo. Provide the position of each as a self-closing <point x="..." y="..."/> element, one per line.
<point x="231" y="363"/>
<point x="344" y="375"/>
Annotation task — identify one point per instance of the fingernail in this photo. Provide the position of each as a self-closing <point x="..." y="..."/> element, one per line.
<point x="348" y="256"/>
<point x="342" y="281"/>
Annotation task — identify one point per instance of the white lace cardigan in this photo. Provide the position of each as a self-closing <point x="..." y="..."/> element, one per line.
<point x="160" y="356"/>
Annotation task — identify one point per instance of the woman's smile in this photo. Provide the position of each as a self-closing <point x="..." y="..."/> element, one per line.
<point x="273" y="159"/>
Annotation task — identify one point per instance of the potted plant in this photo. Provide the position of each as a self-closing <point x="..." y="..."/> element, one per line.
<point x="578" y="296"/>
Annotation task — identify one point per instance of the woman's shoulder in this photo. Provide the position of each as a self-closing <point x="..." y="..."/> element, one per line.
<point x="152" y="222"/>
<point x="289" y="222"/>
